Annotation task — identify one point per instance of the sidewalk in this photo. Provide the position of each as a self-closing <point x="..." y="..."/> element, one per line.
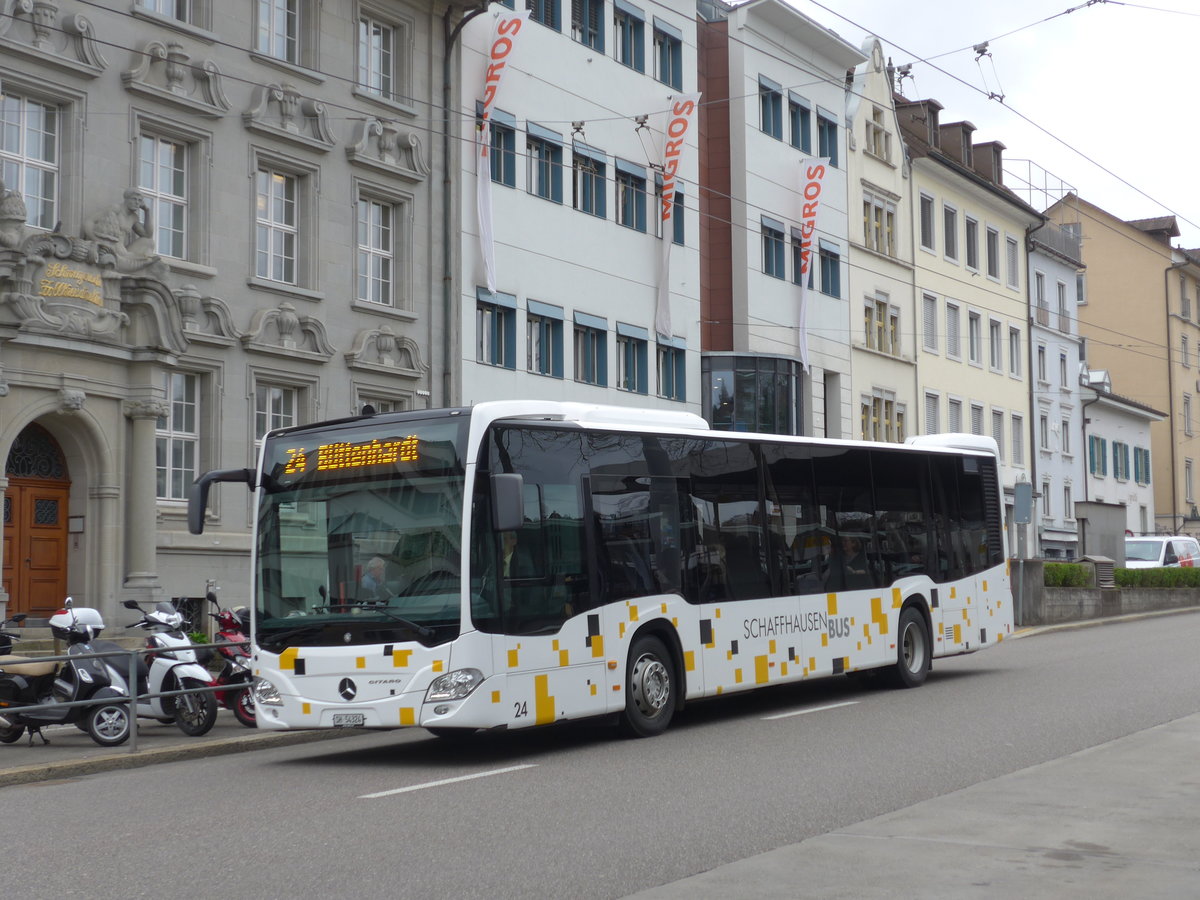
<point x="1118" y="820"/>
<point x="72" y="752"/>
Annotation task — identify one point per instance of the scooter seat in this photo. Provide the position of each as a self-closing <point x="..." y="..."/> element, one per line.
<point x="24" y="665"/>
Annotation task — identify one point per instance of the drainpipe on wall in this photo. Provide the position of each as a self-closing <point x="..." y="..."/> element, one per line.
<point x="1029" y="316"/>
<point x="452" y="34"/>
<point x="1171" y="390"/>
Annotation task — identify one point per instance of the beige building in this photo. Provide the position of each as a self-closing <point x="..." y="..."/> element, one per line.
<point x="1140" y="319"/>
<point x="218" y="218"/>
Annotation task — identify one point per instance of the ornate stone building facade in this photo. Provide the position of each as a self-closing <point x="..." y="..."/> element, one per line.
<point x="216" y="219"/>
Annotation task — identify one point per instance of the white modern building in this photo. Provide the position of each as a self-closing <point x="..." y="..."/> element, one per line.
<point x="578" y="125"/>
<point x="774" y="85"/>
<point x="1056" y="284"/>
<point x="1116" y="435"/>
<point x="882" y="315"/>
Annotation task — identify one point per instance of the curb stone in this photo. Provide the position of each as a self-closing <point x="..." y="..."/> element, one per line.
<point x="127" y="760"/>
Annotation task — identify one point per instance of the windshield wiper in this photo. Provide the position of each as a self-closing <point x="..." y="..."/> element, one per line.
<point x="282" y="636"/>
<point x="421" y="630"/>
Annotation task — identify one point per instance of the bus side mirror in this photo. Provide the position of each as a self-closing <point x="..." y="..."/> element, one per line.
<point x="198" y="493"/>
<point x="508" y="501"/>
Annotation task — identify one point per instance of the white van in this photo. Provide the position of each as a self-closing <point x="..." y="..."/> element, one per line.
<point x="1156" y="551"/>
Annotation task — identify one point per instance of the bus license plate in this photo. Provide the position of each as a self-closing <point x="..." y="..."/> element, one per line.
<point x="349" y="720"/>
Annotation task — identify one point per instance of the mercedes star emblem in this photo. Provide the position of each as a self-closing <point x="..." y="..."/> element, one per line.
<point x="347" y="689"/>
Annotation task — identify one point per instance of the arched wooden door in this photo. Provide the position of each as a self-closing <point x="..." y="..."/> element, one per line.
<point x="35" y="524"/>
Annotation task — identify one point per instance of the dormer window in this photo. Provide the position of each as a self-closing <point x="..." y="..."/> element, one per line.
<point x="968" y="153"/>
<point x="879" y="141"/>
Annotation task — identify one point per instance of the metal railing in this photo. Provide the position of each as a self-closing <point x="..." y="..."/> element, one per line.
<point x="125" y="670"/>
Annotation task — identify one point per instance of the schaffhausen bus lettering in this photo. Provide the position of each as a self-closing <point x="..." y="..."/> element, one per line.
<point x="810" y="622"/>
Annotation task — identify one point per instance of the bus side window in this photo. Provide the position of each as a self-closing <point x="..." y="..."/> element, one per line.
<point x="547" y="583"/>
<point x="844" y="491"/>
<point x="901" y="496"/>
<point x="947" y="521"/>
<point x="732" y="555"/>
<point x="800" y="546"/>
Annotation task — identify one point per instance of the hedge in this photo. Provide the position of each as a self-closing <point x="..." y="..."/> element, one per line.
<point x="1158" y="578"/>
<point x="1067" y="575"/>
<point x="1075" y="575"/>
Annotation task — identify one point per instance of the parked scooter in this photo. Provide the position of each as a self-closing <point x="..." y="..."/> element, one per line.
<point x="233" y="625"/>
<point x="170" y="665"/>
<point x="26" y="681"/>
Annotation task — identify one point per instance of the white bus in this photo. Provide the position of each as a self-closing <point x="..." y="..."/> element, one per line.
<point x="526" y="562"/>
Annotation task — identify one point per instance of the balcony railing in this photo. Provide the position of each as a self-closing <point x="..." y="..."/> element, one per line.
<point x="1065" y="242"/>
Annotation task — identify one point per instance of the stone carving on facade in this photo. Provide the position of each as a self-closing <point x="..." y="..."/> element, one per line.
<point x="52" y="287"/>
<point x="35" y="29"/>
<point x="167" y="72"/>
<point x="281" y="111"/>
<point x="57" y="284"/>
<point x="381" y="350"/>
<point x="205" y="319"/>
<point x="126" y="230"/>
<point x="384" y="145"/>
<point x="155" y="322"/>
<point x="146" y="408"/>
<point x="70" y="401"/>
<point x="13" y="214"/>
<point x="283" y="332"/>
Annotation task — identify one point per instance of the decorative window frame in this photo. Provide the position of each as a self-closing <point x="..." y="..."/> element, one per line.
<point x="403" y="250"/>
<point x="199" y="153"/>
<point x="404" y="30"/>
<point x="307" y="219"/>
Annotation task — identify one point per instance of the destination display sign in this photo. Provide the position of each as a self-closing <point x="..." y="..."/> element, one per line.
<point x="343" y="456"/>
<point x="373" y="450"/>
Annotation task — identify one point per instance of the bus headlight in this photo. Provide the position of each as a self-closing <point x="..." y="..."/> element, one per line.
<point x="454" y="685"/>
<point x="266" y="694"/>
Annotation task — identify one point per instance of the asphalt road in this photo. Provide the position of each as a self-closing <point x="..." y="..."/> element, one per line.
<point x="575" y="812"/>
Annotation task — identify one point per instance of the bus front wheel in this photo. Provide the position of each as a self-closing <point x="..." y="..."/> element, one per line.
<point x="649" y="689"/>
<point x="914" y="650"/>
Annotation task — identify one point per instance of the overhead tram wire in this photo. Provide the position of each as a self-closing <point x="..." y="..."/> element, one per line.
<point x="1019" y="114"/>
<point x="465" y="116"/>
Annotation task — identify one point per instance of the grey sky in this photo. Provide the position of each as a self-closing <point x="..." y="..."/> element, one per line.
<point x="1109" y="80"/>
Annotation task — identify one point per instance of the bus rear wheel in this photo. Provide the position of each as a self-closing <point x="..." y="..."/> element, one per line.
<point x="649" y="689"/>
<point x="914" y="650"/>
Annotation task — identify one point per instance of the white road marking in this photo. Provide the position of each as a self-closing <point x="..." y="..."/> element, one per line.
<point x="804" y="712"/>
<point x="431" y="784"/>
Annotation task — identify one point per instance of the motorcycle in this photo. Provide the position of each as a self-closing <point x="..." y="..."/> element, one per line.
<point x="232" y="625"/>
<point x="26" y="681"/>
<point x="169" y="665"/>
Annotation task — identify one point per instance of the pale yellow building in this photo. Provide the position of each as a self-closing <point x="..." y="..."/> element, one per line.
<point x="970" y="262"/>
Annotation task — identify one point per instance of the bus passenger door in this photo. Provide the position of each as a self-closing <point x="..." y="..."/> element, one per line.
<point x="543" y="617"/>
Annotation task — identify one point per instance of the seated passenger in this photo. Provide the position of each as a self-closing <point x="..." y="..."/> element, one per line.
<point x="517" y="563"/>
<point x="373" y="586"/>
<point x="850" y="569"/>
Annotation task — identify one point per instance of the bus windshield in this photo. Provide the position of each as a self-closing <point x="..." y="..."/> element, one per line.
<point x="359" y="534"/>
